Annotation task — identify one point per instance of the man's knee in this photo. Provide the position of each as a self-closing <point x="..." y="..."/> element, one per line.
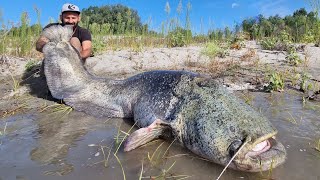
<point x="75" y="42"/>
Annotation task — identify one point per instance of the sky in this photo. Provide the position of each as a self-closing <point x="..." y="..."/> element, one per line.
<point x="204" y="14"/>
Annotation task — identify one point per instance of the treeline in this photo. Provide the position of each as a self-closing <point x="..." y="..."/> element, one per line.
<point x="300" y="27"/>
<point x="112" y="19"/>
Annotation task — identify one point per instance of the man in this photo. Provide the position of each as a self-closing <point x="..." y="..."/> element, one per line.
<point x="81" y="38"/>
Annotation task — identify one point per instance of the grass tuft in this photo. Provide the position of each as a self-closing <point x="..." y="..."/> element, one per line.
<point x="124" y="175"/>
<point x="15" y="84"/>
<point x="30" y="65"/>
<point x="58" y="109"/>
<point x="2" y="133"/>
<point x="318" y="146"/>
<point x="124" y="137"/>
<point x="17" y="107"/>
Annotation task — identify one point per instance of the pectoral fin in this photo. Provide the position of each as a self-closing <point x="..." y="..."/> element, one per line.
<point x="145" y="135"/>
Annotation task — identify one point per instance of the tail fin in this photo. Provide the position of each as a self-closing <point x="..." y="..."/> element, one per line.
<point x="63" y="66"/>
<point x="57" y="33"/>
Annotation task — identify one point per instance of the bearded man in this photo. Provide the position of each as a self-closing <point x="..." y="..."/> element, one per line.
<point x="81" y="38"/>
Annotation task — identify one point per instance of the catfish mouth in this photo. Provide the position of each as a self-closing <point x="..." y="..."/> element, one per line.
<point x="260" y="148"/>
<point x="262" y="155"/>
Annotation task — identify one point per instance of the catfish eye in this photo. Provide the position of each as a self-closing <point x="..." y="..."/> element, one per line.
<point x="234" y="147"/>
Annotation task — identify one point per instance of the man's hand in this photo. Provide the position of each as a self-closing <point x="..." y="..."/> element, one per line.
<point x="41" y="42"/>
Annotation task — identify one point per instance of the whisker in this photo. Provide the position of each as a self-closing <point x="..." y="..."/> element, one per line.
<point x="225" y="168"/>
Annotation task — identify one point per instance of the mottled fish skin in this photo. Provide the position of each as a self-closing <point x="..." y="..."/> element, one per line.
<point x="200" y="113"/>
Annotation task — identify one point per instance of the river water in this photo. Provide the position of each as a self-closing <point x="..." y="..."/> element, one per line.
<point x="48" y="145"/>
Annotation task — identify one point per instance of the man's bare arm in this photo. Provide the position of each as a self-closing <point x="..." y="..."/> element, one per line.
<point x="86" y="49"/>
<point x="41" y="42"/>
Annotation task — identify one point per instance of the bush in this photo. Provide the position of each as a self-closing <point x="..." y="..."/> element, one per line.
<point x="200" y="38"/>
<point x="268" y="43"/>
<point x="308" y="38"/>
<point x="212" y="49"/>
<point x="30" y="65"/>
<point x="237" y="42"/>
<point x="98" y="46"/>
<point x="293" y="58"/>
<point x="281" y="43"/>
<point x="276" y="82"/>
<point x="176" y="39"/>
<point x="317" y="44"/>
<point x="276" y="44"/>
<point x="304" y="83"/>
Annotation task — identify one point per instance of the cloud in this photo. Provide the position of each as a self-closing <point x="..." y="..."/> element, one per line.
<point x="234" y="5"/>
<point x="272" y="7"/>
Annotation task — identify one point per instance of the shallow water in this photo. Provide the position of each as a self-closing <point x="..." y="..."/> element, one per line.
<point x="51" y="146"/>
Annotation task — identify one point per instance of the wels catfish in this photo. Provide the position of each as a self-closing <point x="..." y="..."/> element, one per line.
<point x="197" y="111"/>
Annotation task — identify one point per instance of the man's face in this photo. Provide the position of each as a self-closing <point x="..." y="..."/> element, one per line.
<point x="70" y="18"/>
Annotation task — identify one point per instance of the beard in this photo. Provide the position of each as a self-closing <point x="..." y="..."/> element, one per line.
<point x="73" y="25"/>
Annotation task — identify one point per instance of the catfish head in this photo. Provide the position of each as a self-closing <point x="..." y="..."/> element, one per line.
<point x="214" y="124"/>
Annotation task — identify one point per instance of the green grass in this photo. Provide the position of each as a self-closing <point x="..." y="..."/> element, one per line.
<point x="294" y="59"/>
<point x="214" y="49"/>
<point x="15" y="84"/>
<point x="16" y="107"/>
<point x="123" y="138"/>
<point x="292" y="119"/>
<point x="165" y="174"/>
<point x="123" y="173"/>
<point x="276" y="82"/>
<point x="269" y="175"/>
<point x="151" y="158"/>
<point x="141" y="172"/>
<point x="60" y="110"/>
<point x="30" y="65"/>
<point x="3" y="132"/>
<point x="247" y="97"/>
<point x="318" y="146"/>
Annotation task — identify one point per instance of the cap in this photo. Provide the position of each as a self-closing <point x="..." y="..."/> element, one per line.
<point x="70" y="8"/>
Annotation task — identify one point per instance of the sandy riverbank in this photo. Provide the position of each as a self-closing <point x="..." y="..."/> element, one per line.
<point x="246" y="68"/>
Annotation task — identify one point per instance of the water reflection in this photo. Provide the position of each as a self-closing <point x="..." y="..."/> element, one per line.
<point x="42" y="146"/>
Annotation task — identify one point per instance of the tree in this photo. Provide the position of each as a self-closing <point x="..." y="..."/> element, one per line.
<point x="119" y="18"/>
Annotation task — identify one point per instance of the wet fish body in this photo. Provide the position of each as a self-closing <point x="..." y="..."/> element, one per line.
<point x="197" y="111"/>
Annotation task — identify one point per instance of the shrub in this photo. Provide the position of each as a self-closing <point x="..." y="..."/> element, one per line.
<point x="98" y="46"/>
<point x="30" y="65"/>
<point x="281" y="43"/>
<point x="212" y="49"/>
<point x="293" y="58"/>
<point x="237" y="42"/>
<point x="317" y="44"/>
<point x="268" y="43"/>
<point x="308" y="37"/>
<point x="304" y="84"/>
<point x="176" y="39"/>
<point x="276" y="82"/>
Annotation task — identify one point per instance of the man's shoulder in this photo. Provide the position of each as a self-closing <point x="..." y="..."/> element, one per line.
<point x="83" y="30"/>
<point x="51" y="24"/>
<point x="83" y="34"/>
